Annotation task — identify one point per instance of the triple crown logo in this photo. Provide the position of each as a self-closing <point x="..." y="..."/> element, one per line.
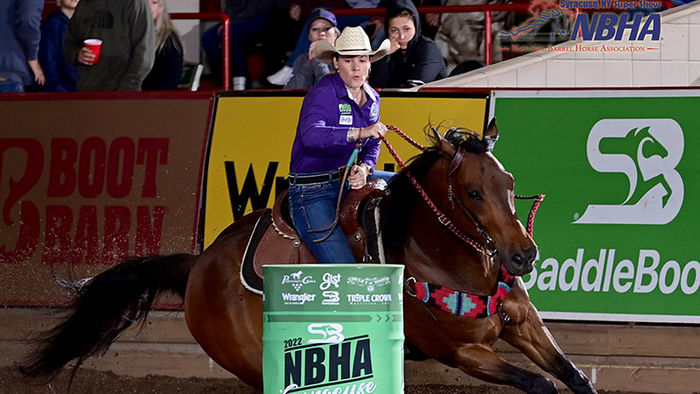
<point x="653" y="150"/>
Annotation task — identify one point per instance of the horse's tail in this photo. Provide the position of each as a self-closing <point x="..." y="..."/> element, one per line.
<point x="104" y="307"/>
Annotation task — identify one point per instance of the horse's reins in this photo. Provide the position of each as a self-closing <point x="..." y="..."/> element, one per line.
<point x="484" y="306"/>
<point x="489" y="250"/>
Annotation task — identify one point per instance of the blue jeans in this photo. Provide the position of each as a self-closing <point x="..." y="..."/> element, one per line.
<point x="8" y="86"/>
<point x="313" y="207"/>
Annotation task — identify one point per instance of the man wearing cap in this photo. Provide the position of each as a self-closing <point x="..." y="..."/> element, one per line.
<point x="307" y="70"/>
<point x="338" y="111"/>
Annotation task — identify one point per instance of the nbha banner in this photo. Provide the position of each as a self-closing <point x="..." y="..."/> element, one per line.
<point x="84" y="183"/>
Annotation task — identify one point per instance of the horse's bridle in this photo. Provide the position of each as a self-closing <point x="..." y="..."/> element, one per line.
<point x="488" y="250"/>
<point x="454" y="165"/>
<point x="505" y="280"/>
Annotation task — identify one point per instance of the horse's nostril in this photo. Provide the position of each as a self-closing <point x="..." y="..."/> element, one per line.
<point x="520" y="259"/>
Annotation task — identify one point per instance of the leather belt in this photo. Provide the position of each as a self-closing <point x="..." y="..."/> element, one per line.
<point x="315" y="178"/>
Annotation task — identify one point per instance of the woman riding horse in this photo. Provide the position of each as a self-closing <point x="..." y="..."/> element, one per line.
<point x="340" y="113"/>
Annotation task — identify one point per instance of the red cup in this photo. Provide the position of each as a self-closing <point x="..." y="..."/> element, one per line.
<point x="95" y="46"/>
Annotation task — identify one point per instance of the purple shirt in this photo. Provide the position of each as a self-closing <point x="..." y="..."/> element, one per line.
<point x="326" y="116"/>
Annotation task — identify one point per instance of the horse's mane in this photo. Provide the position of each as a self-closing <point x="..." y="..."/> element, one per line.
<point x="401" y="194"/>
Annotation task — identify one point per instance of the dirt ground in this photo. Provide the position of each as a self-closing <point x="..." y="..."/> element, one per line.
<point x="98" y="382"/>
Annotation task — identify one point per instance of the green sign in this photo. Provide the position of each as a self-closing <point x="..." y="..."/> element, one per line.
<point x="333" y="328"/>
<point x="618" y="232"/>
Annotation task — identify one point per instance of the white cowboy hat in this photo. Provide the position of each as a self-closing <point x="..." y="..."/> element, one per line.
<point x="353" y="41"/>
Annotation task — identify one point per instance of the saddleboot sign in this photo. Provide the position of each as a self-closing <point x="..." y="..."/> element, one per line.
<point x="618" y="232"/>
<point x="333" y="328"/>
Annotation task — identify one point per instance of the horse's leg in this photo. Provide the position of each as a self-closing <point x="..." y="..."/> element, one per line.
<point x="532" y="338"/>
<point x="481" y="362"/>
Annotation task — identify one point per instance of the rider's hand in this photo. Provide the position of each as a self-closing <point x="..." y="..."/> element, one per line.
<point x="358" y="176"/>
<point x="374" y="131"/>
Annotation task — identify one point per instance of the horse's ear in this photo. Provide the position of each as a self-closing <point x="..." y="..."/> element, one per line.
<point x="444" y="144"/>
<point x="491" y="134"/>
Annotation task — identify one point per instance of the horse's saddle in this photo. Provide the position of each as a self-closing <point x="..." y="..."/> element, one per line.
<point x="275" y="241"/>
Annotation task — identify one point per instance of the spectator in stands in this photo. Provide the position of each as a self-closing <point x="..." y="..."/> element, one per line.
<point x="248" y="23"/>
<point x="281" y="77"/>
<point x="275" y="46"/>
<point x="293" y="20"/>
<point x="19" y="44"/>
<point x="429" y="22"/>
<point x="60" y="76"/>
<point x="168" y="63"/>
<point x="414" y="59"/>
<point x="126" y="30"/>
<point x="308" y="70"/>
<point x="337" y="112"/>
<point x="461" y="35"/>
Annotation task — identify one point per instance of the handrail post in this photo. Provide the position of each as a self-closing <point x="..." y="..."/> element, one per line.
<point x="488" y="36"/>
<point x="227" y="53"/>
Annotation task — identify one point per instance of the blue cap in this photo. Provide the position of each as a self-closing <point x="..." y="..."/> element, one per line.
<point x="322" y="13"/>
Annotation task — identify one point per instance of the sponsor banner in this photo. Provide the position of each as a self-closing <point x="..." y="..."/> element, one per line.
<point x="618" y="231"/>
<point x="85" y="182"/>
<point x="333" y="328"/>
<point x="252" y="138"/>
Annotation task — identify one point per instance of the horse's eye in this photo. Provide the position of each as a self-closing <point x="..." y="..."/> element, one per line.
<point x="475" y="195"/>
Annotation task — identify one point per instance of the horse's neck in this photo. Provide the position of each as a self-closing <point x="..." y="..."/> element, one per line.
<point x="451" y="264"/>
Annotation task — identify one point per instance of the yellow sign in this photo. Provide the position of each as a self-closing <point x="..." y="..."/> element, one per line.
<point x="252" y="140"/>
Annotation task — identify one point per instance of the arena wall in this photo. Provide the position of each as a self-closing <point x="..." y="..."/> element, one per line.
<point x="51" y="142"/>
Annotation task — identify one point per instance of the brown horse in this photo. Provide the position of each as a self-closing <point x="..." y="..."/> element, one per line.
<point x="476" y="233"/>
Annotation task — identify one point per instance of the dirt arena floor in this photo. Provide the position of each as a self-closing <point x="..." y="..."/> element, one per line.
<point x="99" y="382"/>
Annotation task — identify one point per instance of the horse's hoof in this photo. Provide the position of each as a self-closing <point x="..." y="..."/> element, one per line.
<point x="542" y="385"/>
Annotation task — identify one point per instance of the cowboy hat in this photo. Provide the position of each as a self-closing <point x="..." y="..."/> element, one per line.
<point x="353" y="41"/>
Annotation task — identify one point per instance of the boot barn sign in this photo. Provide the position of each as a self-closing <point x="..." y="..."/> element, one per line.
<point x="84" y="183"/>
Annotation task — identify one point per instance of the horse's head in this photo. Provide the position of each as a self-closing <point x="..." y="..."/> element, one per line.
<point x="479" y="197"/>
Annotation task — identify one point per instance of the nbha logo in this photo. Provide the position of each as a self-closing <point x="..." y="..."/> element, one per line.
<point x="609" y="26"/>
<point x="655" y="147"/>
<point x="334" y="362"/>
